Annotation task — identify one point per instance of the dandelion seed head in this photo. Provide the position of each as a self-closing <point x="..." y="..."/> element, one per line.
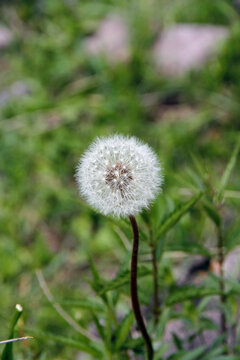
<point x="119" y="175"/>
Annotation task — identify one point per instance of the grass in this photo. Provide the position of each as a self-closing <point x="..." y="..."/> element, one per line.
<point x="71" y="98"/>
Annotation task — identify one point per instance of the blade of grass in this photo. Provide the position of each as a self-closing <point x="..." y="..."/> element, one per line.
<point x="7" y="353"/>
<point x="176" y="215"/>
<point x="228" y="170"/>
<point x="123" y="330"/>
<point x="91" y="348"/>
<point x="58" y="308"/>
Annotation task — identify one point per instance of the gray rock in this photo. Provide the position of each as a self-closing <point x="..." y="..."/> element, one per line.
<point x="5" y="37"/>
<point x="231" y="264"/>
<point x="187" y="46"/>
<point x="18" y="89"/>
<point x="237" y="4"/>
<point x="110" y="40"/>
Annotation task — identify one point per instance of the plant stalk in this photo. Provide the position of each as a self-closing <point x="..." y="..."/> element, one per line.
<point x="134" y="292"/>
<point x="223" y="321"/>
<point x="156" y="310"/>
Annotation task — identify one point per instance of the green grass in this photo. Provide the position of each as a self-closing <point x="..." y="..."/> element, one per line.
<point x="73" y="98"/>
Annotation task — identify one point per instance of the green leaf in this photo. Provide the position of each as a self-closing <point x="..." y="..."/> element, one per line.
<point x="188" y="355"/>
<point x="8" y="350"/>
<point x="108" y="330"/>
<point x="228" y="170"/>
<point x="199" y="166"/>
<point x="193" y="354"/>
<point x="226" y="357"/>
<point x="123" y="278"/>
<point x="185" y="293"/>
<point x="189" y="247"/>
<point x="201" y="176"/>
<point x="164" y="318"/>
<point x="134" y="344"/>
<point x="207" y="324"/>
<point x="99" y="327"/>
<point x="217" y="349"/>
<point x="233" y="236"/>
<point x="89" y="304"/>
<point x="161" y="351"/>
<point x="96" y="277"/>
<point x="101" y="332"/>
<point x="87" y="347"/>
<point x="177" y="341"/>
<point x="125" y="227"/>
<point x="176" y="215"/>
<point x="124" y="329"/>
<point x="212" y="213"/>
<point x="97" y="282"/>
<point x="214" y="353"/>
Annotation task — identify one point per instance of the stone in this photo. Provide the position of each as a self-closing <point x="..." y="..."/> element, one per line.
<point x="5" y="37"/>
<point x="111" y="40"/>
<point x="184" y="47"/>
<point x="17" y="90"/>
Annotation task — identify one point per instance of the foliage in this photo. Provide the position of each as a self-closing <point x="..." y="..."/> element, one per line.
<point x="66" y="99"/>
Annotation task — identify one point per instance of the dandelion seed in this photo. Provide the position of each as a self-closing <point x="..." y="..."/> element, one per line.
<point x="126" y="173"/>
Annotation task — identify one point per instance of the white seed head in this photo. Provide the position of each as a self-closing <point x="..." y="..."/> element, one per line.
<point x="119" y="175"/>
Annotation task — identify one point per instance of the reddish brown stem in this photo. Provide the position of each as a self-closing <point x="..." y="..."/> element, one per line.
<point x="221" y="283"/>
<point x="134" y="292"/>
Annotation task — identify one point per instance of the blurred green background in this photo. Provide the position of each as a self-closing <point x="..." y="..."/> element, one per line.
<point x="56" y="98"/>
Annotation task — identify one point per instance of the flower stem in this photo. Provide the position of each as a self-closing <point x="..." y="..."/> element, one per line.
<point x="134" y="292"/>
<point x="221" y="282"/>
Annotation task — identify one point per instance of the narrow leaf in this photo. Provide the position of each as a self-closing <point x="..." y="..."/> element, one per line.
<point x="108" y="327"/>
<point x="188" y="355"/>
<point x="94" y="271"/>
<point x="135" y="344"/>
<point x="8" y="350"/>
<point x="233" y="236"/>
<point x="123" y="278"/>
<point x="193" y="354"/>
<point x="212" y="213"/>
<point x="188" y="293"/>
<point x="125" y="227"/>
<point x="88" y="348"/>
<point x="176" y="215"/>
<point x="189" y="247"/>
<point x="124" y="329"/>
<point x="216" y="349"/>
<point x="99" y="327"/>
<point x="177" y="341"/>
<point x="81" y="303"/>
<point x="97" y="282"/>
<point x="226" y="357"/>
<point x="228" y="170"/>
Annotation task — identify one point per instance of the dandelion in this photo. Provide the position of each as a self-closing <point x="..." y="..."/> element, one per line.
<point x="120" y="176"/>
